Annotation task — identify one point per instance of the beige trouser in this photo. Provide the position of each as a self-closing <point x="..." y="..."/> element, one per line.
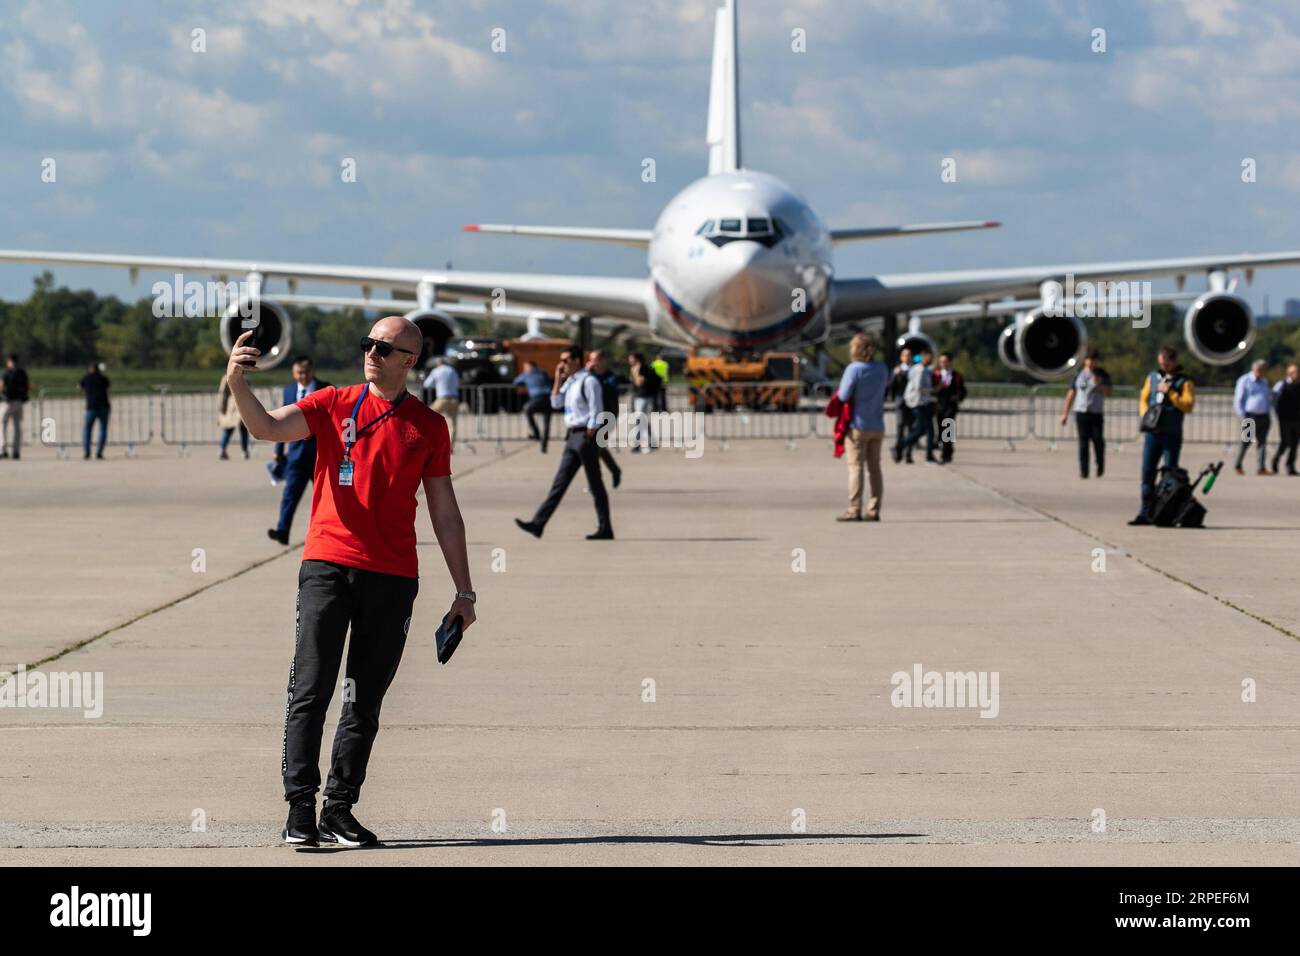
<point x="860" y="447"/>
<point x="447" y="408"/>
<point x="13" y="413"/>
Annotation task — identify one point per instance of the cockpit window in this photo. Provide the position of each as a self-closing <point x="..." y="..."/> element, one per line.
<point x="760" y="229"/>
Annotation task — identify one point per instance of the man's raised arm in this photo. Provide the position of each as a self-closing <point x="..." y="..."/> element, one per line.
<point x="286" y="423"/>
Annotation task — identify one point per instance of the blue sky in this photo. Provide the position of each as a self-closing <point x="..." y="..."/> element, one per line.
<point x="1131" y="153"/>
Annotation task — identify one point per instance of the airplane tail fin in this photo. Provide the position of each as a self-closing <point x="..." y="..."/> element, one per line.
<point x="724" y="93"/>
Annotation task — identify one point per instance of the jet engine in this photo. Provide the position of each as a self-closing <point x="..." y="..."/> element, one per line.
<point x="1007" y="349"/>
<point x="272" y="336"/>
<point x="917" y="342"/>
<point x="1219" y="328"/>
<point x="1049" y="346"/>
<point x="437" y="327"/>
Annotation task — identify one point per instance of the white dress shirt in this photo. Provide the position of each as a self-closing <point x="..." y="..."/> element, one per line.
<point x="579" y="396"/>
<point x="444" y="380"/>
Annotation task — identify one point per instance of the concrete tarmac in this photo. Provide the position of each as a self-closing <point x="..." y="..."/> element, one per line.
<point x="712" y="687"/>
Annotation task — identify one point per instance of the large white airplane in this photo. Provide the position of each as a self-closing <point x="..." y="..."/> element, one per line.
<point x="739" y="260"/>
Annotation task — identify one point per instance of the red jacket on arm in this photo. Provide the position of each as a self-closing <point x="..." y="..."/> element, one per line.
<point x="842" y="412"/>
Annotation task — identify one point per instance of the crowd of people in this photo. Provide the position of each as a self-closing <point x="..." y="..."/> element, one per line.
<point x="15" y="389"/>
<point x="648" y="385"/>
<point x="927" y="396"/>
<point x="928" y="400"/>
<point x="1253" y="399"/>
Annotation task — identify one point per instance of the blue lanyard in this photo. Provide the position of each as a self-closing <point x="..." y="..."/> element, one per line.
<point x="347" y="445"/>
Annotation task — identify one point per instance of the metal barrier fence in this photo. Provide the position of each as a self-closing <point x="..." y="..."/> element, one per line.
<point x="991" y="412"/>
<point x="1211" y="421"/>
<point x="183" y="418"/>
<point x="60" y="419"/>
<point x="188" y="417"/>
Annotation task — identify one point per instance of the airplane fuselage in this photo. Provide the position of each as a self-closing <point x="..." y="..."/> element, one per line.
<point x="739" y="260"/>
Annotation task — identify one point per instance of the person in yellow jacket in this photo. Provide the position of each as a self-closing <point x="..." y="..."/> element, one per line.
<point x="1169" y="388"/>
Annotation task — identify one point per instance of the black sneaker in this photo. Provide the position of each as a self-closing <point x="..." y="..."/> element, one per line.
<point x="618" y="477"/>
<point x="1140" y="520"/>
<point x="338" y="825"/>
<point x="300" y="830"/>
<point x="602" y="534"/>
<point x="534" y="529"/>
<point x="278" y="536"/>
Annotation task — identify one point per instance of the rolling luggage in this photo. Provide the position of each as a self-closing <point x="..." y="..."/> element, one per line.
<point x="1174" y="503"/>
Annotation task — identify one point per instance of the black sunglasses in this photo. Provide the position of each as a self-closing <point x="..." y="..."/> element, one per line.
<point x="384" y="349"/>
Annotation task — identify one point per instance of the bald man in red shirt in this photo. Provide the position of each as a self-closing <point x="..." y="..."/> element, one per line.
<point x="375" y="446"/>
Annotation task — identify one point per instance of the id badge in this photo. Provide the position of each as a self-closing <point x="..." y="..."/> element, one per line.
<point x="345" y="474"/>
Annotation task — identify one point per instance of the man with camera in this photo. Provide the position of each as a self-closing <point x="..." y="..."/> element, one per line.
<point x="374" y="448"/>
<point x="1167" y="395"/>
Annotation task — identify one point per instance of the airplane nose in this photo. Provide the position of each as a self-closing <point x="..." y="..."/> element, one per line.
<point x="740" y="257"/>
<point x="753" y="284"/>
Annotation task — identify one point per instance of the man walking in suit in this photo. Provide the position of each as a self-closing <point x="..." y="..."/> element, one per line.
<point x="608" y="379"/>
<point x="298" y="464"/>
<point x="577" y="391"/>
<point x="949" y="393"/>
<point x="1286" y="403"/>
<point x="897" y="385"/>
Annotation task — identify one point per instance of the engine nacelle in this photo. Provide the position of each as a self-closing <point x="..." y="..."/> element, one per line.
<point x="1007" y="349"/>
<point x="1050" y="346"/>
<point x="272" y="336"/>
<point x="1219" y="328"/>
<point x="437" y="327"/>
<point x="918" y="342"/>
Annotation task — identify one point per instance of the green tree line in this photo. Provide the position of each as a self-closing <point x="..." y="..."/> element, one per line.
<point x="57" y="326"/>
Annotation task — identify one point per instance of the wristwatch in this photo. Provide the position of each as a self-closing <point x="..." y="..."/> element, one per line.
<point x="468" y="595"/>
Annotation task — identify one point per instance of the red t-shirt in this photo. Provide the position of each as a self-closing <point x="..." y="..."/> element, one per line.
<point x="371" y="525"/>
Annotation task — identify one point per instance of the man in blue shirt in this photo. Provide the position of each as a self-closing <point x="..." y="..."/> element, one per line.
<point x="1253" y="402"/>
<point x="538" y="385"/>
<point x="863" y="387"/>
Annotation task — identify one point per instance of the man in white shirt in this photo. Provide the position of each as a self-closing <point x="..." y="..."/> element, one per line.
<point x="919" y="397"/>
<point x="445" y="382"/>
<point x="1252" y="400"/>
<point x="577" y="391"/>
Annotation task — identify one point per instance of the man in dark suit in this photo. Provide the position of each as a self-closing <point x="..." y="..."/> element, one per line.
<point x="297" y="463"/>
<point x="894" y="392"/>
<point x="949" y="393"/>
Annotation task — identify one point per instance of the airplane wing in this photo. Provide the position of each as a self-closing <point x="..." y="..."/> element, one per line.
<point x="913" y="291"/>
<point x="915" y="229"/>
<point x="638" y="238"/>
<point x="579" y="295"/>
